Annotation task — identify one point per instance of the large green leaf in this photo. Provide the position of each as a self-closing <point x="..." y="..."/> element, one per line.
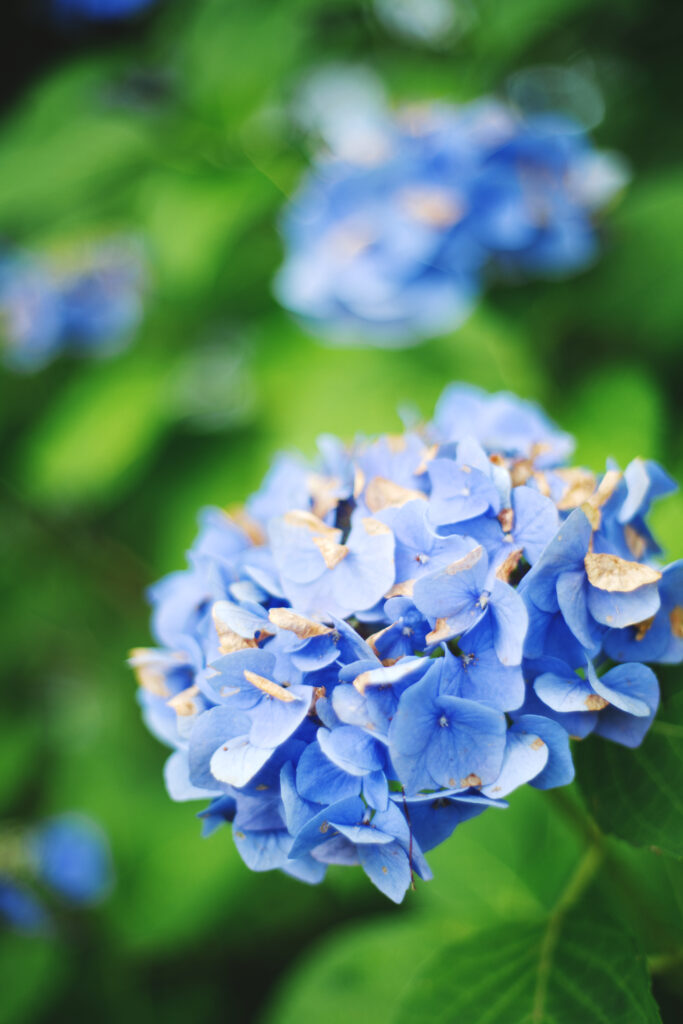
<point x="638" y="794"/>
<point x="359" y="974"/>
<point x="559" y="972"/>
<point x="98" y="430"/>
<point x="65" y="146"/>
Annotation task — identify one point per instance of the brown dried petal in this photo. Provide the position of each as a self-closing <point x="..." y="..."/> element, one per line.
<point x="580" y="486"/>
<point x="614" y="574"/>
<point x="466" y="562"/>
<point x="507" y="567"/>
<point x="382" y="493"/>
<point x="269" y="687"/>
<point x="332" y="552"/>
<point x="302" y="627"/>
<point x="676" y="620"/>
<point x="183" y="703"/>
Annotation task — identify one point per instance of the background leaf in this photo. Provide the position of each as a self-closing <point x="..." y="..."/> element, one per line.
<point x="525" y="974"/>
<point x="638" y="794"/>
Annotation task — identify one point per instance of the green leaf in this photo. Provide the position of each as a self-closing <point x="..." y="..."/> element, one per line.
<point x="550" y="973"/>
<point x="299" y="377"/>
<point x="64" y="146"/>
<point x="637" y="288"/>
<point x="597" y="413"/>
<point x="192" y="219"/>
<point x="32" y="969"/>
<point x="98" y="430"/>
<point x="503" y="864"/>
<point x="359" y="974"/>
<point x="638" y="794"/>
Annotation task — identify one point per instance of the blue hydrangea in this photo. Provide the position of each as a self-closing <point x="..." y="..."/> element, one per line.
<point x="88" y="302"/>
<point x="99" y="10"/>
<point x="395" y="244"/>
<point x="66" y="857"/>
<point x="393" y="638"/>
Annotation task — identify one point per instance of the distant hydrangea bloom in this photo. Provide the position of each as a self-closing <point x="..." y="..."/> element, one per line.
<point x="393" y="244"/>
<point x="20" y="909"/>
<point x="71" y="857"/>
<point x="389" y="641"/>
<point x="67" y="856"/>
<point x="87" y="302"/>
<point x="99" y="10"/>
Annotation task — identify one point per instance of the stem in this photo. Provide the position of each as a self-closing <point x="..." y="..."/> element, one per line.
<point x="617" y="876"/>
<point x="586" y="870"/>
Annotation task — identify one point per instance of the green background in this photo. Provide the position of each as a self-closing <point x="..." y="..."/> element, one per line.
<point x="105" y="464"/>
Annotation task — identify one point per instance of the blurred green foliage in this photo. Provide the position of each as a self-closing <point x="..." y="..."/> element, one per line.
<point x="183" y="135"/>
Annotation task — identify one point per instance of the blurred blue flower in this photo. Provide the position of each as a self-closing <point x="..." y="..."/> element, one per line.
<point x="67" y="856"/>
<point x="391" y="242"/>
<point x="99" y="10"/>
<point x="71" y="857"/>
<point x="391" y="640"/>
<point x="21" y="910"/>
<point x="90" y="304"/>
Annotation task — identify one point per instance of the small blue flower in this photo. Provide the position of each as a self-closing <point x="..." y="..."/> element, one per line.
<point x="21" y="910"/>
<point x="456" y="598"/>
<point x="393" y="639"/>
<point x="438" y="740"/>
<point x="71" y="856"/>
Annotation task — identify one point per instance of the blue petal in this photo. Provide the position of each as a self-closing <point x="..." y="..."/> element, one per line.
<point x="559" y="769"/>
<point x="510" y="621"/>
<point x="388" y="867"/>
<point x="479" y="675"/>
<point x="618" y="609"/>
<point x="318" y="830"/>
<point x="454" y="593"/>
<point x="263" y="851"/>
<point x="570" y="693"/>
<point x="177" y="779"/>
<point x="526" y="755"/>
<point x="625" y="687"/>
<point x="209" y="731"/>
<point x="376" y="790"/>
<point x="536" y="521"/>
<point x="237" y="761"/>
<point x="350" y="749"/>
<point x="273" y="720"/>
<point x="564" y="553"/>
<point x="459" y="493"/>
<point x="297" y="810"/>
<point x="319" y="780"/>
<point x="572" y="597"/>
<point x="471" y="743"/>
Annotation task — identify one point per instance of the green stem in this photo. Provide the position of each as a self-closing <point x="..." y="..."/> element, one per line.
<point x="585" y="872"/>
<point x="617" y="876"/>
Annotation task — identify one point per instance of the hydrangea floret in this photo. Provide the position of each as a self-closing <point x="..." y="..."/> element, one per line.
<point x="387" y="642"/>
<point x="393" y="245"/>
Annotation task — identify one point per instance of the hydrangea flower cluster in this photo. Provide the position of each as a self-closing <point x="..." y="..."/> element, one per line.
<point x="87" y="302"/>
<point x="68" y="856"/>
<point x="383" y="645"/>
<point x="392" y="246"/>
